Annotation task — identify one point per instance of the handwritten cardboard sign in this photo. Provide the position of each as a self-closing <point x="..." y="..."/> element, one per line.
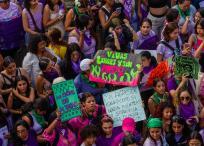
<point x="66" y="99"/>
<point x="187" y="65"/>
<point x="115" y="68"/>
<point x="122" y="103"/>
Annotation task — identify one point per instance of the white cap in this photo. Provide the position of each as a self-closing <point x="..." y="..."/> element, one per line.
<point x="58" y="80"/>
<point x="85" y="64"/>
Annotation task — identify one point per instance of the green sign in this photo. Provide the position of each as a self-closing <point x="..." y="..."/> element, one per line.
<point x="66" y="99"/>
<point x="115" y="68"/>
<point x="187" y="65"/>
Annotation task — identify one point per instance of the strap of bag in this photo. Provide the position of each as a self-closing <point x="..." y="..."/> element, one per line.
<point x="170" y="47"/>
<point x="106" y="12"/>
<point x="177" y="45"/>
<point x="35" y="25"/>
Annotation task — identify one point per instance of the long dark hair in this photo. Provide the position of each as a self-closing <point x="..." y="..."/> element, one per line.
<point x="23" y="78"/>
<point x="196" y="135"/>
<point x="51" y="5"/>
<point x="165" y="105"/>
<point x="201" y="23"/>
<point x="27" y="4"/>
<point x="67" y="59"/>
<point x="181" y="121"/>
<point x="7" y="61"/>
<point x="105" y="119"/>
<point x="16" y="140"/>
<point x="33" y="45"/>
<point x="148" y="55"/>
<point x="55" y="37"/>
<point x="169" y="28"/>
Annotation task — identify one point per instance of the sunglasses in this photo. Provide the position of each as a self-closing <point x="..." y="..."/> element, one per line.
<point x="177" y="118"/>
<point x="185" y="98"/>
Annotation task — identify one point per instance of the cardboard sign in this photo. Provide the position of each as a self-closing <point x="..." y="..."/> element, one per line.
<point x="122" y="103"/>
<point x="187" y="65"/>
<point x="115" y="68"/>
<point x="67" y="99"/>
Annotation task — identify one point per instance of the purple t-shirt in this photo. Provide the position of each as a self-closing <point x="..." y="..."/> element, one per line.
<point x="103" y="141"/>
<point x="32" y="139"/>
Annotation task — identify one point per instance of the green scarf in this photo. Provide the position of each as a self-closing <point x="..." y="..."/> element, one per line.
<point x="183" y="14"/>
<point x="40" y="119"/>
<point x="77" y="11"/>
<point x="85" y="79"/>
<point x="158" y="98"/>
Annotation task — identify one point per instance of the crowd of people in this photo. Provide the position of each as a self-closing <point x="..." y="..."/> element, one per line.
<point x="46" y="41"/>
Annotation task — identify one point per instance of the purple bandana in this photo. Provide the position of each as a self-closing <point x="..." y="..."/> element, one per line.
<point x="76" y="66"/>
<point x="128" y="8"/>
<point x="187" y="111"/>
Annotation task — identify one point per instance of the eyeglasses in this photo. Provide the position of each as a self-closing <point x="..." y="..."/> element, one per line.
<point x="187" y="98"/>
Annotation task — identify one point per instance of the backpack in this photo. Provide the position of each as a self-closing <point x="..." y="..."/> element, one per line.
<point x="172" y="48"/>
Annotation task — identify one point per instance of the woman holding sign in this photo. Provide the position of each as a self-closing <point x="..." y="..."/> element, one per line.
<point x="83" y="84"/>
<point x="58" y="133"/>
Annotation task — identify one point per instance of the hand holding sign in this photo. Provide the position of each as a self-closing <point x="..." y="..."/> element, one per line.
<point x="122" y="103"/>
<point x="67" y="100"/>
<point x="186" y="65"/>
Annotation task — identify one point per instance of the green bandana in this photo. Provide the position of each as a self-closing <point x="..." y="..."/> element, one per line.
<point x="40" y="119"/>
<point x="154" y="123"/>
<point x="158" y="98"/>
<point x="77" y="11"/>
<point x="183" y="14"/>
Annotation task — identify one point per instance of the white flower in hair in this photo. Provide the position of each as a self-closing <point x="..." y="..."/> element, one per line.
<point x="77" y="3"/>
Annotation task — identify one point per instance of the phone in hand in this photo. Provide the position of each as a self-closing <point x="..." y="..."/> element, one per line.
<point x="119" y="10"/>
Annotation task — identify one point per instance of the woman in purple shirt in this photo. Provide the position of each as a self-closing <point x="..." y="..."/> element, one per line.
<point x="23" y="135"/>
<point x="32" y="18"/>
<point x="108" y="133"/>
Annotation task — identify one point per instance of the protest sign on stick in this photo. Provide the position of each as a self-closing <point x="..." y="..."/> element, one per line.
<point x="187" y="65"/>
<point x="66" y="99"/>
<point x="122" y="103"/>
<point x="115" y="68"/>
